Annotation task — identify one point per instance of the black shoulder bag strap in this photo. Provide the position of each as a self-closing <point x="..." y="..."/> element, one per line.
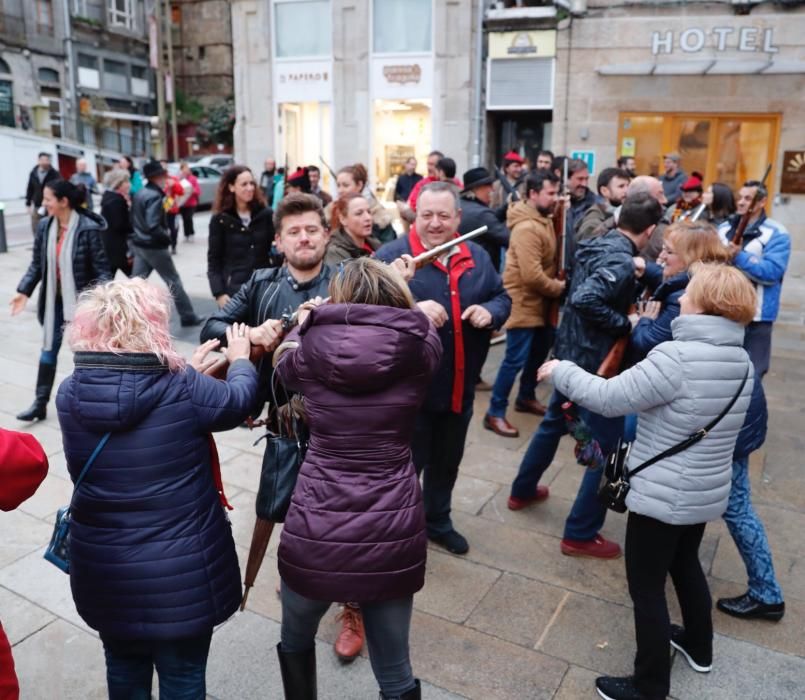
<point x="694" y="437"/>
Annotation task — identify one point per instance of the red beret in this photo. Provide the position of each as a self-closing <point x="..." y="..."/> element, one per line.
<point x="694" y="182"/>
<point x="512" y="157"/>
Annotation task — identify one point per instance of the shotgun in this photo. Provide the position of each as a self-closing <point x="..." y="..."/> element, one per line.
<point x="430" y="255"/>
<point x="738" y="236"/>
<point x="560" y="231"/>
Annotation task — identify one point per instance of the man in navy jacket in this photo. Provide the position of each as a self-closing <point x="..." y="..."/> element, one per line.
<point x="462" y="294"/>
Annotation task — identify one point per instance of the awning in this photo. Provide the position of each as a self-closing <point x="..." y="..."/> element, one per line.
<point x="123" y="116"/>
<point x="708" y="66"/>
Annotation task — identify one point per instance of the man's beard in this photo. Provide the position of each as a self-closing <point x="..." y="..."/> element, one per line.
<point x="614" y="204"/>
<point x="303" y="265"/>
<point x="546" y="211"/>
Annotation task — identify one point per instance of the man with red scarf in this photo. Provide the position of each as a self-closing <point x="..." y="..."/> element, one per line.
<point x="464" y="298"/>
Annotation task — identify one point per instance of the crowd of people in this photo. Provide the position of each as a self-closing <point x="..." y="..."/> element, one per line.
<point x="655" y="297"/>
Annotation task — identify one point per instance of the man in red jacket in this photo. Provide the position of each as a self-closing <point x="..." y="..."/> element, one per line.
<point x="23" y="466"/>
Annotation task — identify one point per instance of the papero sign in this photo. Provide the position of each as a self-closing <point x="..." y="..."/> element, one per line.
<point x="695" y="39"/>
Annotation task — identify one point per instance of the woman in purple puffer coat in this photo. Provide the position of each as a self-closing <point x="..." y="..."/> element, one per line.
<point x="355" y="530"/>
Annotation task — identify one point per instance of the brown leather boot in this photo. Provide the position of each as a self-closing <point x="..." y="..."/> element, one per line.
<point x="500" y="426"/>
<point x="349" y="643"/>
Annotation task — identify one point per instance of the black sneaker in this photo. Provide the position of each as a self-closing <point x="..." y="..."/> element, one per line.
<point x="747" y="608"/>
<point x="699" y="664"/>
<point x="614" y="688"/>
<point x="452" y="541"/>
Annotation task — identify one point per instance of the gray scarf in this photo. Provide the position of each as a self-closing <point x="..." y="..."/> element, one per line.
<point x="65" y="263"/>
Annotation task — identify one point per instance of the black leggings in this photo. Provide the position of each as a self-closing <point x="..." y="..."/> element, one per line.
<point x="653" y="550"/>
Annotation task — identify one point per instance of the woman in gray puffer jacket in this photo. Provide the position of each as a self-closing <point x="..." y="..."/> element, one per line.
<point x="677" y="390"/>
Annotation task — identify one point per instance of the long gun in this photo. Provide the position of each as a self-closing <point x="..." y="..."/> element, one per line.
<point x="327" y="165"/>
<point x="738" y="238"/>
<point x="430" y="255"/>
<point x="560" y="231"/>
<point x="504" y="181"/>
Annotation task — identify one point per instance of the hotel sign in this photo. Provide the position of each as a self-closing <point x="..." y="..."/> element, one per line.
<point x="695" y="39"/>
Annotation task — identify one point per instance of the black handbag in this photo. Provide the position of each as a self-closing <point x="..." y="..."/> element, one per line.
<point x="615" y="480"/>
<point x="58" y="551"/>
<point x="285" y="451"/>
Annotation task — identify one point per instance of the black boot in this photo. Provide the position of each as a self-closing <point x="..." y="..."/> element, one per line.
<point x="298" y="673"/>
<point x="414" y="694"/>
<point x="44" y="385"/>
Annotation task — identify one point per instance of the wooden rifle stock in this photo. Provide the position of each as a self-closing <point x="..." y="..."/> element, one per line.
<point x="559" y="228"/>
<point x="738" y="238"/>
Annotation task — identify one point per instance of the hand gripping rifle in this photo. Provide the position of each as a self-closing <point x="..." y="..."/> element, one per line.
<point x="430" y="255"/>
<point x="738" y="236"/>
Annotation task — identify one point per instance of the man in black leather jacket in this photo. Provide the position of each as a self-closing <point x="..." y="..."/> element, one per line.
<point x="476" y="212"/>
<point x="602" y="287"/>
<point x="267" y="301"/>
<point x="150" y="240"/>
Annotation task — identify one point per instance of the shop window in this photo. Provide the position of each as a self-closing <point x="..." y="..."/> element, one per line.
<point x="727" y="148"/>
<point x="303" y="28"/>
<point x="123" y="13"/>
<point x="401" y="129"/>
<point x="6" y="103"/>
<point x="44" y="17"/>
<point x="402" y="27"/>
<point x="306" y="132"/>
<point x="115" y="76"/>
<point x="88" y="74"/>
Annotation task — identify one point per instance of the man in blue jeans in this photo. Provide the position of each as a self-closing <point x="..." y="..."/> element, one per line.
<point x="602" y="288"/>
<point x="530" y="280"/>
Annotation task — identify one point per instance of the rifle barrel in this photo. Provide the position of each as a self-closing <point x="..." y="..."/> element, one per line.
<point x="436" y="251"/>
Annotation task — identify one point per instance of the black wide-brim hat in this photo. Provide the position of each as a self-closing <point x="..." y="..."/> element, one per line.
<point x="475" y="177"/>
<point x="153" y="168"/>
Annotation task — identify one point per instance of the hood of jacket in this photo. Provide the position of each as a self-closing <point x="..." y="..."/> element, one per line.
<point x="110" y="392"/>
<point x="362" y="348"/>
<point x="519" y="212"/>
<point x="715" y="330"/>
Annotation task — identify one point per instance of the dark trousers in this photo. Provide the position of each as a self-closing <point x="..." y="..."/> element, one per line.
<point x="159" y="259"/>
<point x="187" y="221"/>
<point x="173" y="227"/>
<point x="181" y="666"/>
<point x="653" y="550"/>
<point x="437" y="450"/>
<point x="757" y="342"/>
<point x="587" y="515"/>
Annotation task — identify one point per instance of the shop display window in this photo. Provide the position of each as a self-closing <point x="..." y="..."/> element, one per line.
<point x="727" y="148"/>
<point x="401" y="128"/>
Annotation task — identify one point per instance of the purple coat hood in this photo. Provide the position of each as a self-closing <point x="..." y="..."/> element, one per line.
<point x="355" y="530"/>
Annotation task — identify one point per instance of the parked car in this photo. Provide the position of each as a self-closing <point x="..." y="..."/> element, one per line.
<point x="208" y="177"/>
<point x="221" y="161"/>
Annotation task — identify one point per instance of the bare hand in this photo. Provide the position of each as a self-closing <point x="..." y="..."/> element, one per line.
<point x="639" y="266"/>
<point x="204" y="364"/>
<point x="17" y="303"/>
<point x="478" y="316"/>
<point x="268" y="334"/>
<point x="405" y="266"/>
<point x="651" y="309"/>
<point x="546" y="370"/>
<point x="238" y="346"/>
<point x="734" y="249"/>
<point x="434" y="311"/>
<point x="222" y="300"/>
<point x="707" y="197"/>
<point x="306" y="307"/>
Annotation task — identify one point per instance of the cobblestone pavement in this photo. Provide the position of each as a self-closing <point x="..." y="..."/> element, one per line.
<point x="512" y="619"/>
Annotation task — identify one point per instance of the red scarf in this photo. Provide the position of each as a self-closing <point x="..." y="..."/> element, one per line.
<point x="457" y="265"/>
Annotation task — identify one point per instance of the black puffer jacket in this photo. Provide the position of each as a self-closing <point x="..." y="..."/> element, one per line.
<point x="148" y="218"/>
<point x="235" y="251"/>
<point x="268" y="294"/>
<point x="475" y="214"/>
<point x="602" y="287"/>
<point x="90" y="264"/>
<point x="115" y="210"/>
<point x="33" y="193"/>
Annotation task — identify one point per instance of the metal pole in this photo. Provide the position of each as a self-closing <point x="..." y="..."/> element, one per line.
<point x="72" y="98"/>
<point x="160" y="81"/>
<point x="3" y="243"/>
<point x="169" y="40"/>
<point x="478" y="139"/>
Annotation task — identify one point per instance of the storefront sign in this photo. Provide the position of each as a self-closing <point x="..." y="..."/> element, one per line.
<point x="587" y="156"/>
<point x="303" y="81"/>
<point x="694" y="40"/>
<point x="628" y="146"/>
<point x="540" y="44"/>
<point x="793" y="178"/>
<point x="402" y="78"/>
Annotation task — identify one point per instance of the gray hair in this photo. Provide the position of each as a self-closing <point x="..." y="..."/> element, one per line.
<point x="115" y="178"/>
<point x="642" y="184"/>
<point x="443" y="186"/>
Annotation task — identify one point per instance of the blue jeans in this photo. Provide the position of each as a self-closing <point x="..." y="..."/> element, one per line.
<point x="49" y="357"/>
<point x="387" y="625"/>
<point x="750" y="537"/>
<point x="437" y="450"/>
<point x="587" y="515"/>
<point x="181" y="666"/>
<point x="526" y="350"/>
